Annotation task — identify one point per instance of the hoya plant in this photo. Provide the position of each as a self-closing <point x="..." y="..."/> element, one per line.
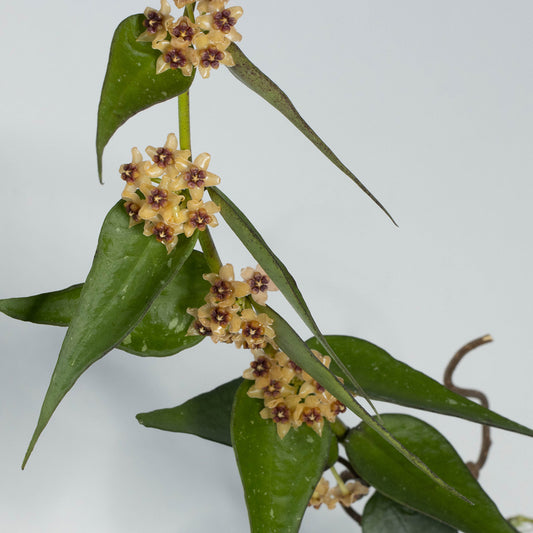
<point x="314" y="414"/>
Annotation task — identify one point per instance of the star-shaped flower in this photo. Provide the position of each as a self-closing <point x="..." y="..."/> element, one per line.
<point x="259" y="283"/>
<point x="156" y="22"/>
<point x="223" y="22"/>
<point x="210" y="54"/>
<point x="175" y="54"/>
<point x="194" y="176"/>
<point x="224" y="289"/>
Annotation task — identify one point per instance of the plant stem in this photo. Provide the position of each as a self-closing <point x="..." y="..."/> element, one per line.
<point x="205" y="239"/>
<point x="339" y="481"/>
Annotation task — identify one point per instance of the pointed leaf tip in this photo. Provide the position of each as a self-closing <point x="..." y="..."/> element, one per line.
<point x="247" y="73"/>
<point x="128" y="273"/>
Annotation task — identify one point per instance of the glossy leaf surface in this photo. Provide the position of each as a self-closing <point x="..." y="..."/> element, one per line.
<point x="128" y="272"/>
<point x="278" y="475"/>
<point x="161" y="332"/>
<point x="246" y="72"/>
<point x="382" y="514"/>
<point x="290" y="343"/>
<point x="391" y="474"/>
<point x="385" y="378"/>
<point x="207" y="415"/>
<point x="274" y="267"/>
<point x="130" y="83"/>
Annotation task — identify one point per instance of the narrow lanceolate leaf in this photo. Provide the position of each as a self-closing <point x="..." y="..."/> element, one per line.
<point x="161" y="332"/>
<point x="207" y="415"/>
<point x="383" y="514"/>
<point x="246" y="72"/>
<point x="256" y="245"/>
<point x="387" y="379"/>
<point x="391" y="474"/>
<point x="278" y="475"/>
<point x="290" y="343"/>
<point x="130" y="83"/>
<point x="128" y="272"/>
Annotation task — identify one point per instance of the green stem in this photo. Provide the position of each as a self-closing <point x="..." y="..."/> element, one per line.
<point x="205" y="239"/>
<point x="340" y="482"/>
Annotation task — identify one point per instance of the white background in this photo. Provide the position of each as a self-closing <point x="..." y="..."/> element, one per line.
<point x="428" y="102"/>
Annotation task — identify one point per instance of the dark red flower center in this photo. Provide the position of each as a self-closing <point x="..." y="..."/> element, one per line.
<point x="221" y="290"/>
<point x="253" y="330"/>
<point x="183" y="31"/>
<point x="153" y="21"/>
<point x="211" y="57"/>
<point x="157" y="198"/>
<point x="133" y="210"/>
<point x="195" y="177"/>
<point x="280" y="413"/>
<point x="129" y="172"/>
<point x="260" y="366"/>
<point x="258" y="283"/>
<point x="163" y="157"/>
<point x="223" y="21"/>
<point x="199" y="219"/>
<point x="273" y="389"/>
<point x="163" y="233"/>
<point x="310" y="415"/>
<point x="221" y="316"/>
<point x="175" y="58"/>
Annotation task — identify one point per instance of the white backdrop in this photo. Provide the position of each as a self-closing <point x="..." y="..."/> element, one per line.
<point x="428" y="102"/>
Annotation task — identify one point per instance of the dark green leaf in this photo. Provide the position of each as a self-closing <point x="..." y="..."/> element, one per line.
<point x="256" y="245"/>
<point x="128" y="272"/>
<point x="385" y="378"/>
<point x="207" y="415"/>
<point x="391" y="474"/>
<point x="161" y="332"/>
<point x="296" y="349"/>
<point x="130" y="83"/>
<point x="382" y="514"/>
<point x="246" y="72"/>
<point x="278" y="476"/>
<point x="54" y="308"/>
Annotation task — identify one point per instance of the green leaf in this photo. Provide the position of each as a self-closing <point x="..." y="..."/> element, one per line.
<point x="391" y="474"/>
<point x="130" y="83"/>
<point x="207" y="415"/>
<point x="296" y="349"/>
<point x="246" y="72"/>
<point x="390" y="380"/>
<point x="53" y="308"/>
<point x="128" y="272"/>
<point x="161" y="332"/>
<point x="383" y="514"/>
<point x="268" y="260"/>
<point x="278" y="475"/>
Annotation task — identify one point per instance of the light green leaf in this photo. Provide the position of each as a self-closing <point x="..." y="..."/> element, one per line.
<point x="246" y="72"/>
<point x="161" y="332"/>
<point x="278" y="476"/>
<point x="128" y="272"/>
<point x="387" y="379"/>
<point x="391" y="474"/>
<point x="130" y="83"/>
<point x="207" y="415"/>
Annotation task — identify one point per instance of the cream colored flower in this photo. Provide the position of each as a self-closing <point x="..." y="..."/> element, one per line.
<point x="194" y="176"/>
<point x="165" y="156"/>
<point x="224" y="289"/>
<point x="161" y="202"/>
<point x="156" y="22"/>
<point x="221" y="22"/>
<point x="256" y="330"/>
<point x="209" y="54"/>
<point x="280" y="414"/>
<point x="208" y="6"/>
<point x="175" y="54"/>
<point x="198" y="216"/>
<point x="259" y="283"/>
<point x="220" y="319"/>
<point x="356" y="490"/>
<point x="183" y="29"/>
<point x="133" y="207"/>
<point x="164" y="233"/>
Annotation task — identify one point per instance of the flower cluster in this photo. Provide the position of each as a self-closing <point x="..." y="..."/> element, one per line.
<point x="153" y="187"/>
<point x="186" y="43"/>
<point x="346" y="495"/>
<point x="227" y="317"/>
<point x="291" y="396"/>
